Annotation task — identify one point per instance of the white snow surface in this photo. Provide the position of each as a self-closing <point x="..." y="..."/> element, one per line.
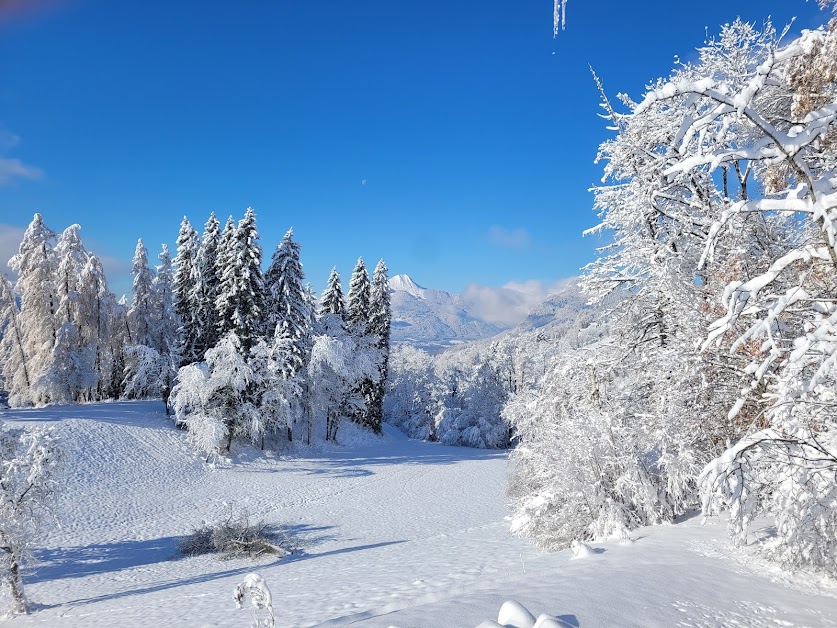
<point x="400" y="533"/>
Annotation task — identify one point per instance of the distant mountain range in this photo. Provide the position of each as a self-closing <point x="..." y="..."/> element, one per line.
<point x="432" y="319"/>
<point x="435" y="320"/>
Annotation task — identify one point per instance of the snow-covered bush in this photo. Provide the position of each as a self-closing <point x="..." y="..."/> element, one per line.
<point x="28" y="461"/>
<point x="236" y="535"/>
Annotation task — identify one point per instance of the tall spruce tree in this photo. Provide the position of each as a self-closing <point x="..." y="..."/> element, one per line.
<point x="332" y="303"/>
<point x="380" y="321"/>
<point x="35" y="265"/>
<point x="165" y="316"/>
<point x="225" y="271"/>
<point x="186" y="305"/>
<point x="357" y="312"/>
<point x="241" y="295"/>
<point x="289" y="316"/>
<point x="205" y="288"/>
<point x="140" y="314"/>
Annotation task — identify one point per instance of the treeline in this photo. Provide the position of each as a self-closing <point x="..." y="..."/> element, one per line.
<point x="234" y="351"/>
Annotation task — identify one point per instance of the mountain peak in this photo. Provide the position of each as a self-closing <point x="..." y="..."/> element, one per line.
<point x="404" y="283"/>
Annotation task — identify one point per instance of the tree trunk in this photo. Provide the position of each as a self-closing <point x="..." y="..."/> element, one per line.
<point x="19" y="604"/>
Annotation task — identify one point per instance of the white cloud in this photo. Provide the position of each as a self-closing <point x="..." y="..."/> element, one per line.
<point x="509" y="304"/>
<point x="11" y="169"/>
<point x="517" y="239"/>
<point x="10" y="238"/>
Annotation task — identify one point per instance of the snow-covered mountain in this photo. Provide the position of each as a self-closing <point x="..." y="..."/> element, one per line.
<point x="433" y="319"/>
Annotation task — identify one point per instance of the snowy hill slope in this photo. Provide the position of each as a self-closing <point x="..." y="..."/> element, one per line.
<point x="432" y="319"/>
<point x="401" y="533"/>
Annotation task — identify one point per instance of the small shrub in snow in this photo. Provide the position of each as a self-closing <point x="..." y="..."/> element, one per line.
<point x="236" y="536"/>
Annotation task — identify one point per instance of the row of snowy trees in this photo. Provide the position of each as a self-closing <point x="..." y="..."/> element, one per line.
<point x="245" y="353"/>
<point x="258" y="357"/>
<point x="66" y="338"/>
<point x="715" y="385"/>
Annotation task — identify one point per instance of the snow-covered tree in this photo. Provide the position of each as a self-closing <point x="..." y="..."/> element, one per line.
<point x="332" y="304"/>
<point x="165" y="319"/>
<point x="29" y="460"/>
<point x="13" y="356"/>
<point x="35" y="265"/>
<point x="289" y="318"/>
<point x="97" y="307"/>
<point x="206" y="281"/>
<point x="240" y="299"/>
<point x="358" y="306"/>
<point x="141" y="313"/>
<point x="410" y="404"/>
<point x="224" y="271"/>
<point x="186" y="288"/>
<point x="380" y="321"/>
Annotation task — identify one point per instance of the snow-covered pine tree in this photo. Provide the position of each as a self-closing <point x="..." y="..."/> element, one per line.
<point x="380" y="321"/>
<point x="332" y="304"/>
<point x="185" y="289"/>
<point x="289" y="318"/>
<point x="165" y="322"/>
<point x="141" y="312"/>
<point x="35" y="265"/>
<point x="70" y="369"/>
<point x="96" y="310"/>
<point x="357" y="319"/>
<point x="357" y="311"/>
<point x="225" y="264"/>
<point x="12" y="352"/>
<point x="205" y="282"/>
<point x="250" y="316"/>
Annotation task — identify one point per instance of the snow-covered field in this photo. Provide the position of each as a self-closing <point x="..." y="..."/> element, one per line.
<point x="399" y="533"/>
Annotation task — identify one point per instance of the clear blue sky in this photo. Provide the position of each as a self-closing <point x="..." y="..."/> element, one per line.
<point x="454" y="138"/>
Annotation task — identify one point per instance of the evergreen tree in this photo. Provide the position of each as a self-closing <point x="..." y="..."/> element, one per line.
<point x="71" y="258"/>
<point x="289" y="316"/>
<point x="12" y="352"/>
<point x="140" y="315"/>
<point x="165" y="315"/>
<point x="205" y="283"/>
<point x="250" y="309"/>
<point x="96" y="309"/>
<point x="332" y="303"/>
<point x="225" y="272"/>
<point x="35" y="265"/>
<point x="185" y="289"/>
<point x="380" y="320"/>
<point x="357" y="313"/>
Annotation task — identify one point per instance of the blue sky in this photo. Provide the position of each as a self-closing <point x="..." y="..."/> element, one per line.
<point x="456" y="139"/>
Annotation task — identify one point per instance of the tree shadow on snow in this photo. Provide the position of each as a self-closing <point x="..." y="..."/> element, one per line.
<point x="134" y="413"/>
<point x="165" y="585"/>
<point x="78" y="562"/>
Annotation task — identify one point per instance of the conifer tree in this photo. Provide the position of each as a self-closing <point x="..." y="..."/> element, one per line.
<point x="357" y="313"/>
<point x="380" y="320"/>
<point x="185" y="304"/>
<point x="249" y="293"/>
<point x="140" y="314"/>
<point x="225" y="271"/>
<point x="165" y="316"/>
<point x="332" y="303"/>
<point x="96" y="309"/>
<point x="35" y="265"/>
<point x="205" y="283"/>
<point x="289" y="316"/>
<point x="12" y="352"/>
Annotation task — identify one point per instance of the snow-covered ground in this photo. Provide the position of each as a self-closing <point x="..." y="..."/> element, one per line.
<point x="399" y="533"/>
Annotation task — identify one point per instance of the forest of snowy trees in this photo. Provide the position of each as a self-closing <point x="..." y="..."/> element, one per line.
<point x="234" y="351"/>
